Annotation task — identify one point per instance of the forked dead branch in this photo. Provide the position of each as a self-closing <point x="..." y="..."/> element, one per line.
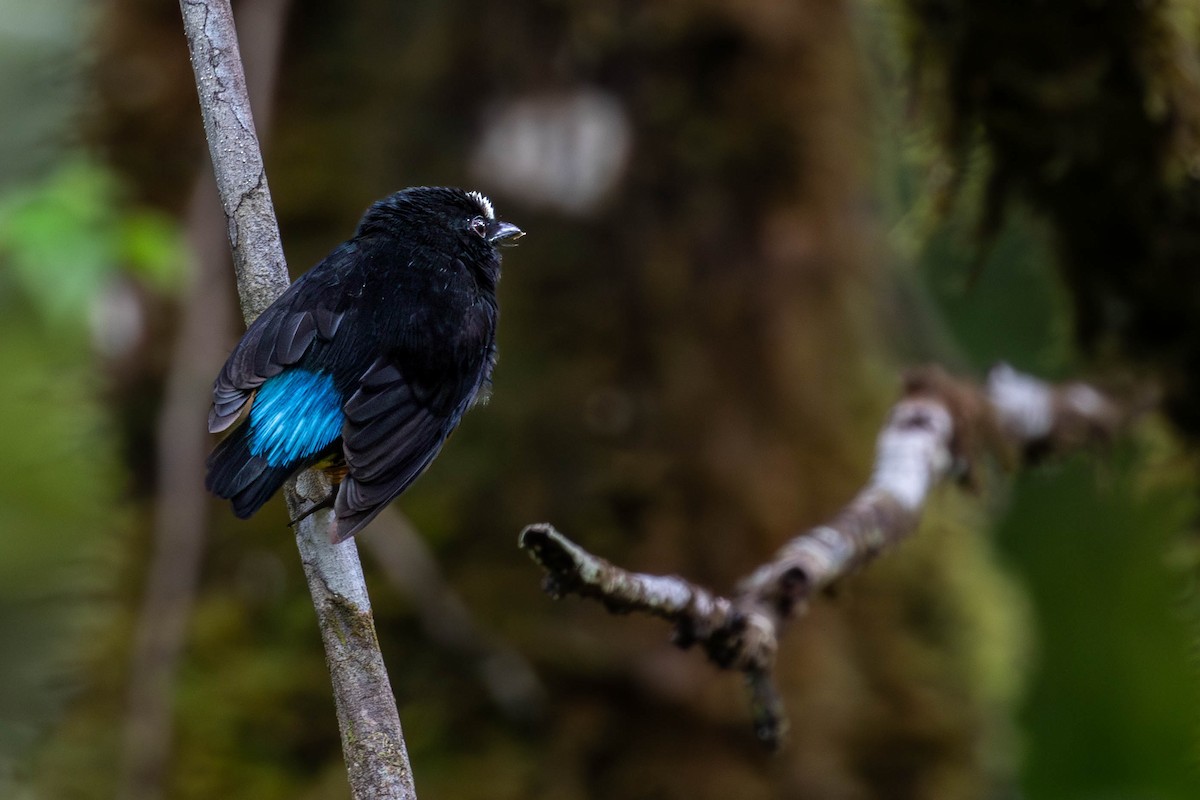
<point x="938" y="430"/>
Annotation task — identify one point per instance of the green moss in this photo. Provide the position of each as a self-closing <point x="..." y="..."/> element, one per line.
<point x="1087" y="112"/>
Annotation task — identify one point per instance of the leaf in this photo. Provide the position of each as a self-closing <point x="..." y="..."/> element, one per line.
<point x="66" y="238"/>
<point x="153" y="250"/>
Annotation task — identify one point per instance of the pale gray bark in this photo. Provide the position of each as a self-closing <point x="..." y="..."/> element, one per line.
<point x="376" y="757"/>
<point x="935" y="432"/>
<point x="181" y="508"/>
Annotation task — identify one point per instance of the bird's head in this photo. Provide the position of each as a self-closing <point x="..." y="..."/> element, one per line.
<point x="484" y="225"/>
<point x="460" y="222"/>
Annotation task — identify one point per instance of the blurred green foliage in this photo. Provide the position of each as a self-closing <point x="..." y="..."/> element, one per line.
<point x="1110" y="706"/>
<point x="1110" y="709"/>
<point x="64" y="238"/>
<point x="1089" y="628"/>
<point x="63" y="241"/>
<point x="1106" y="711"/>
<point x="58" y="482"/>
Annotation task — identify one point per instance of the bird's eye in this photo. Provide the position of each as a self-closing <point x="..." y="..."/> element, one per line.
<point x="479" y="226"/>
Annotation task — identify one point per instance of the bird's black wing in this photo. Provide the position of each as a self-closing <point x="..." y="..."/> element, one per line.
<point x="390" y="436"/>
<point x="280" y="337"/>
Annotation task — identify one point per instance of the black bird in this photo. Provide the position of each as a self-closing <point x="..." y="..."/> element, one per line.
<point x="368" y="361"/>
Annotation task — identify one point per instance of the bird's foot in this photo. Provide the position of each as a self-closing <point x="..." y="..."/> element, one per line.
<point x="319" y="486"/>
<point x="313" y="508"/>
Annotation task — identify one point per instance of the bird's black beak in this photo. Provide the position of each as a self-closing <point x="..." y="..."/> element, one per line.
<point x="503" y="232"/>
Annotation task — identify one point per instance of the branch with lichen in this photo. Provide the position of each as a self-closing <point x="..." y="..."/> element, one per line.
<point x="372" y="741"/>
<point x="939" y="430"/>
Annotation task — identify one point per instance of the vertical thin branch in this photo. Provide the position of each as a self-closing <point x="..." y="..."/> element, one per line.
<point x="181" y="507"/>
<point x="376" y="757"/>
<point x="237" y="160"/>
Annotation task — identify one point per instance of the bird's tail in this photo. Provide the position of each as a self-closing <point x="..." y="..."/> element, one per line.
<point x="236" y="474"/>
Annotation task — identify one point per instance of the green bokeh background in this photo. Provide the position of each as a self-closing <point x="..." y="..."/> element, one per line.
<point x="1097" y="547"/>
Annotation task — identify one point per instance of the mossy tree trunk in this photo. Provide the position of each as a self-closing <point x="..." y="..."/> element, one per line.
<point x="689" y="374"/>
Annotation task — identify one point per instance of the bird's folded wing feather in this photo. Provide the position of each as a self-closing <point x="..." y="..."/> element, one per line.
<point x="277" y="339"/>
<point x="390" y="436"/>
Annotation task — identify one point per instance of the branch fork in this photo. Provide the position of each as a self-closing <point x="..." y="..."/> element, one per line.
<point x="938" y="430"/>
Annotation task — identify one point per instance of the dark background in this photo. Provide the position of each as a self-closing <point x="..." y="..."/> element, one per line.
<point x="745" y="220"/>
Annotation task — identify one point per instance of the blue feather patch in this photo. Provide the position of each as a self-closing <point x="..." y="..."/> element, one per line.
<point x="295" y="415"/>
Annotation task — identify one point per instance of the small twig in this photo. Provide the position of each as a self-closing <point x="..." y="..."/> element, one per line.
<point x="372" y="742"/>
<point x="938" y="429"/>
<point x="572" y="570"/>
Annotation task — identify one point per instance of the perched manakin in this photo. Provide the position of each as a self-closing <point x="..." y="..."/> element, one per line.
<point x="368" y="361"/>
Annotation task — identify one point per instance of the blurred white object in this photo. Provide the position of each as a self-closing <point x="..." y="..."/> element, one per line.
<point x="563" y="150"/>
<point x="117" y="320"/>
